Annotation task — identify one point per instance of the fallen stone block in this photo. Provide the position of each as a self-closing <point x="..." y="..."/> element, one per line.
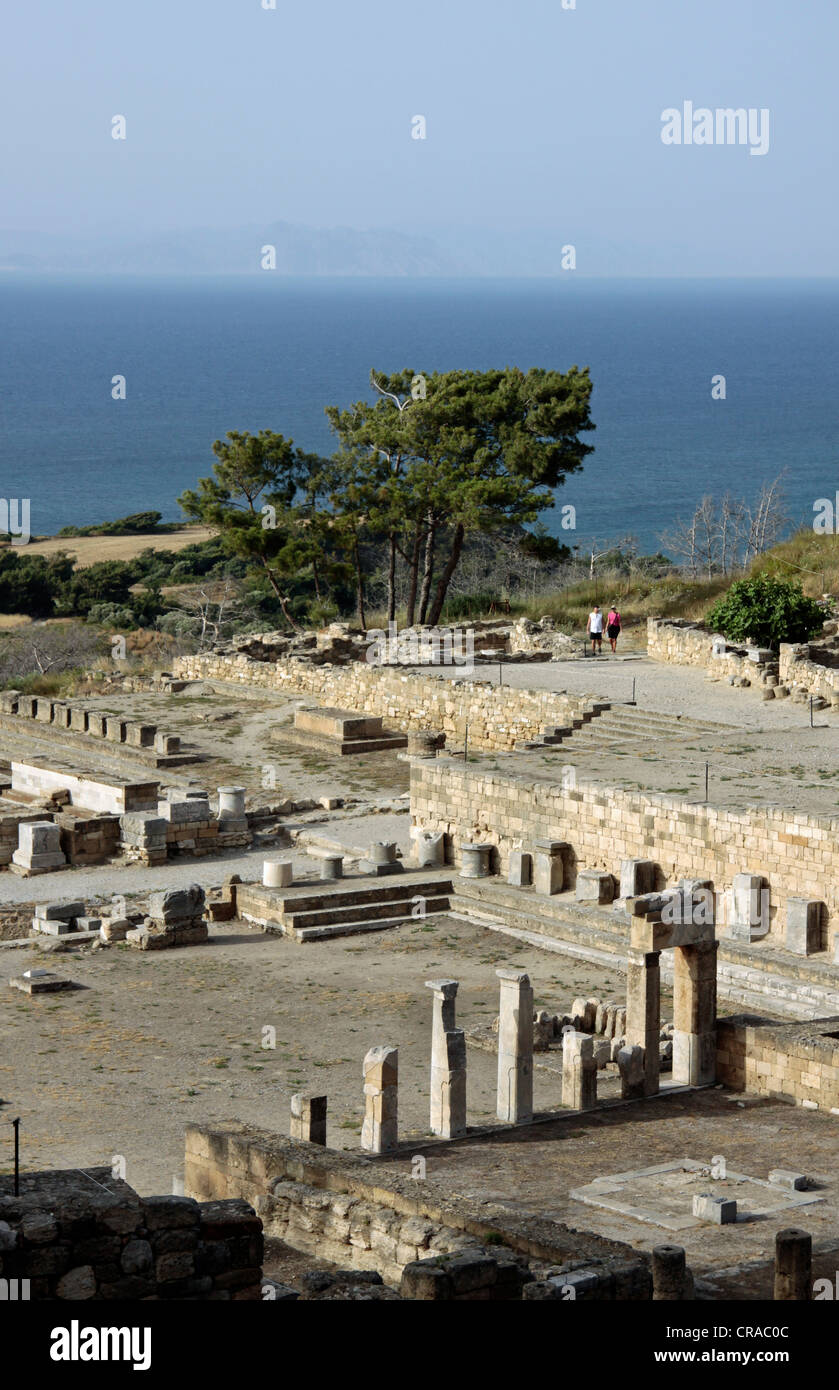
<point x="42" y="982"/>
<point x="594" y="887"/>
<point x="790" y="1181"/>
<point x="719" y="1211"/>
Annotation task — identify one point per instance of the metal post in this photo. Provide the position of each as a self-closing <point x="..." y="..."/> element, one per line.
<point x="812" y="726"/>
<point x="633" y="690"/>
<point x="16" y="1126"/>
<point x="500" y="676"/>
<point x="466" y="742"/>
<point x="706" y="780"/>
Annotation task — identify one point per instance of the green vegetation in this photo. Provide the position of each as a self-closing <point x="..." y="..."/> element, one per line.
<point x="766" y="610"/>
<point x="137" y="524"/>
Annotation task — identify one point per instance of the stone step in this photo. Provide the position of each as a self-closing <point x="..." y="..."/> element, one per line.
<point x="335" y="896"/>
<point x="370" y="911"/>
<point x="324" y="933"/>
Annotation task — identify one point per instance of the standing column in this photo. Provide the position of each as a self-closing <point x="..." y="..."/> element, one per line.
<point x="695" y="1014"/>
<point x="448" y="1063"/>
<point x="793" y="1266"/>
<point x="579" y="1071"/>
<point x="643" y="1011"/>
<point x="381" y="1091"/>
<point x="515" y="1048"/>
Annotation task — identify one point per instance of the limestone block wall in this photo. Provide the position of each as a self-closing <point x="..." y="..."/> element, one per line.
<point x="109" y="797"/>
<point x="798" y="854"/>
<point x="679" y="642"/>
<point x="498" y="716"/>
<point x="9" y="833"/>
<point x="798" y="1061"/>
<point x="347" y="1209"/>
<point x="71" y="1245"/>
<point x="810" y="668"/>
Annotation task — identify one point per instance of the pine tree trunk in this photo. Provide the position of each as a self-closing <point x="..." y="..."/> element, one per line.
<point x="445" y="577"/>
<point x="428" y="568"/>
<point x="359" y="586"/>
<point x="280" y="596"/>
<point x="413" y="577"/>
<point x="391" y="581"/>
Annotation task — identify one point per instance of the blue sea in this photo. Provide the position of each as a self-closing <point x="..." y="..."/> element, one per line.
<point x="207" y="355"/>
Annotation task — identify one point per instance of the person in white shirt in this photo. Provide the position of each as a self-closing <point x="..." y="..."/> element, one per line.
<point x="594" y="628"/>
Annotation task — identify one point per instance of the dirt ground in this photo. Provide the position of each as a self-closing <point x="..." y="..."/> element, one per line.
<point x="156" y="1040"/>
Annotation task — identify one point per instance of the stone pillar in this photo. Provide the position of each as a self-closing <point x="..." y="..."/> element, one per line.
<point x="804" y="926"/>
<point x="793" y="1266"/>
<point x="548" y="870"/>
<point x="643" y="1010"/>
<point x="277" y="873"/>
<point x="332" y="866"/>
<point x="695" y="1014"/>
<point x="631" y="1068"/>
<point x="515" y="1048"/>
<point x="670" y="1276"/>
<point x="474" y="861"/>
<point x="429" y="849"/>
<point x="308" y="1118"/>
<point x="579" y="1071"/>
<point x="232" y="819"/>
<point x="520" y="869"/>
<point x="748" y="902"/>
<point x="448" y="1063"/>
<point x="381" y="1093"/>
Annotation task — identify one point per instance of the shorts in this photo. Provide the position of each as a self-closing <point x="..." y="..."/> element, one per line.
<point x="613" y="630"/>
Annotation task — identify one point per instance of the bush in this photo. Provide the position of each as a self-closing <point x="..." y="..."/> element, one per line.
<point x="766" y="611"/>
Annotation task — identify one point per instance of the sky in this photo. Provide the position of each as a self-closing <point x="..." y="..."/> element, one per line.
<point x="543" y="125"/>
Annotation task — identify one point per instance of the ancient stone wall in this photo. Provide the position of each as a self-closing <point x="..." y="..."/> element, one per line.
<point x="498" y="716"/>
<point x="74" y="1242"/>
<point x="798" y="854"/>
<point x="798" y="1061"/>
<point x="812" y="668"/>
<point x="347" y="1209"/>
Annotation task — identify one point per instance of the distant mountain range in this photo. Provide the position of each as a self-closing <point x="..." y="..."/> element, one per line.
<point x="299" y="250"/>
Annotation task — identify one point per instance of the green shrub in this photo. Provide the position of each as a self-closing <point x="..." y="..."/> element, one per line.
<point x="767" y="611"/>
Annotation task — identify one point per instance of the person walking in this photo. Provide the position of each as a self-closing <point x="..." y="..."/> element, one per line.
<point x="613" y="625"/>
<point x="594" y="628"/>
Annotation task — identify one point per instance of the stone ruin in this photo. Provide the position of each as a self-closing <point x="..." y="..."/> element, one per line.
<point x="175" y="918"/>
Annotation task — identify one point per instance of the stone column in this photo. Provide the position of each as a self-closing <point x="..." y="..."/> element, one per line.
<point x="308" y="1118"/>
<point x="474" y="861"/>
<point x="793" y="1266"/>
<point x="231" y="809"/>
<point x="332" y="867"/>
<point x="277" y="873"/>
<point x="695" y="1014"/>
<point x="670" y="1276"/>
<point x="579" y="1071"/>
<point x="448" y="1063"/>
<point x="381" y="859"/>
<point x="643" y="1011"/>
<point x="515" y="1048"/>
<point x="381" y="1093"/>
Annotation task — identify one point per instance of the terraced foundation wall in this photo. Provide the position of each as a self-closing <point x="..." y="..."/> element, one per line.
<point x="498" y="716"/>
<point x="797" y="854"/>
<point x="790" y="1061"/>
<point x="348" y="1209"/>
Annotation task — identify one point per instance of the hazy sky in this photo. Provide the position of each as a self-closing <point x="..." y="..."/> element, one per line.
<point x="543" y="124"/>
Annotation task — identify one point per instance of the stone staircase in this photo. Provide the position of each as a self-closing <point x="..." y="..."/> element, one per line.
<point x="627" y="727"/>
<point x="317" y="912"/>
<point x="552" y="735"/>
